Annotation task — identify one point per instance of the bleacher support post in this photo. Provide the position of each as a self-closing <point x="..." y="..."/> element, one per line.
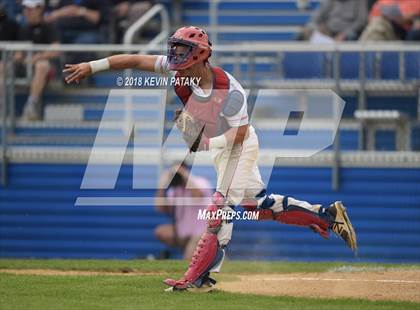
<point x="213" y="8"/>
<point x="4" y="123"/>
<point x="418" y="102"/>
<point x="251" y="71"/>
<point x="362" y="95"/>
<point x="401" y="66"/>
<point x="177" y="12"/>
<point x="10" y="89"/>
<point x="336" y="144"/>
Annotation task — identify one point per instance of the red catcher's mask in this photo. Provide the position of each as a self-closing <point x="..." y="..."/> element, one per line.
<point x="188" y="46"/>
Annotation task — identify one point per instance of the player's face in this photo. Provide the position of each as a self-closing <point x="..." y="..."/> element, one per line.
<point x="181" y="50"/>
<point x="33" y="15"/>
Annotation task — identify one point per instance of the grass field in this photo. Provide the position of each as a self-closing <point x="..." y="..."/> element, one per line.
<point x="144" y="289"/>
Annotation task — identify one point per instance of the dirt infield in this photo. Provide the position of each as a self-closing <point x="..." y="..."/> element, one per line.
<point x="372" y="285"/>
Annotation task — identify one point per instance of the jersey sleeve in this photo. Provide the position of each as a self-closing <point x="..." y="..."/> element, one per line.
<point x="238" y="119"/>
<point x="161" y="65"/>
<point x="236" y="111"/>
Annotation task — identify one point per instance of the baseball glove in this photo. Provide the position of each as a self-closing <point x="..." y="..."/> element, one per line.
<point x="191" y="129"/>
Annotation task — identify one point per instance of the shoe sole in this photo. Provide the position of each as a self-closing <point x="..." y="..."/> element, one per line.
<point x="342" y="210"/>
<point x="196" y="290"/>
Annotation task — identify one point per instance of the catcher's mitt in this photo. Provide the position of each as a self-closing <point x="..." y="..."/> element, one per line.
<point x="191" y="129"/>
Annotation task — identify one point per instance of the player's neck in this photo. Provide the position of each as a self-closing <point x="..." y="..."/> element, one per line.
<point x="206" y="77"/>
<point x="204" y="74"/>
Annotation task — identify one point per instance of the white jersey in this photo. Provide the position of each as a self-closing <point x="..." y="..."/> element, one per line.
<point x="236" y="120"/>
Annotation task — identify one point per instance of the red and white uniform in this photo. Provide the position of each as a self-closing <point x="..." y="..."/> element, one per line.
<point x="238" y="176"/>
<point x="220" y="109"/>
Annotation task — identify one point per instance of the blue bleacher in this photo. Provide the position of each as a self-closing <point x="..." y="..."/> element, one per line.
<point x="38" y="217"/>
<point x="37" y="213"/>
<point x="304" y="65"/>
<point x="285" y="19"/>
<point x="281" y="16"/>
<point x="249" y="5"/>
<point x="412" y="65"/>
<point x="348" y="141"/>
<point x="281" y="35"/>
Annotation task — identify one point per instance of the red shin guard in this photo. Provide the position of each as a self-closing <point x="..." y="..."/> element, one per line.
<point x="203" y="257"/>
<point x="304" y="218"/>
<point x="205" y="252"/>
<point x="298" y="216"/>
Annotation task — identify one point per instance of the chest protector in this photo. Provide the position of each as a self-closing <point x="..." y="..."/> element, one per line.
<point x="208" y="110"/>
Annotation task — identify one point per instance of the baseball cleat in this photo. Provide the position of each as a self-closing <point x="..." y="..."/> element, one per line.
<point x="208" y="285"/>
<point x="342" y="226"/>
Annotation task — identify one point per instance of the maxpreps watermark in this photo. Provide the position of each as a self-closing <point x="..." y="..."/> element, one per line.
<point x="206" y="215"/>
<point x="157" y="81"/>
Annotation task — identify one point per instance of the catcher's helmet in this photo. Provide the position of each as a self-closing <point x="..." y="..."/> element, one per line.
<point x="197" y="43"/>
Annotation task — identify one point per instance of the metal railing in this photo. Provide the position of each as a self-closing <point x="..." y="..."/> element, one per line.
<point x="143" y="20"/>
<point x="250" y="51"/>
<point x="213" y="16"/>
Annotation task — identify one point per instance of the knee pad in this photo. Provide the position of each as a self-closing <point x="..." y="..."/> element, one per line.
<point x="262" y="204"/>
<point x="214" y="221"/>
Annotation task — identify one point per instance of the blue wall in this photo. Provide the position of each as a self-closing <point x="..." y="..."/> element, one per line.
<point x="38" y="217"/>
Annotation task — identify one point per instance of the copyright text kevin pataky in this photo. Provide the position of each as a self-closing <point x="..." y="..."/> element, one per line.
<point x="158" y="81"/>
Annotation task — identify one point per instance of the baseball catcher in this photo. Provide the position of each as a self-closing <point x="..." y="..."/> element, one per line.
<point x="215" y="118"/>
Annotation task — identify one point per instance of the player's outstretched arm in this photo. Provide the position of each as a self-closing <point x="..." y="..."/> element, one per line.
<point x="78" y="72"/>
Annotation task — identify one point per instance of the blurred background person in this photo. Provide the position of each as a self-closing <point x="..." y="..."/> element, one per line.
<point x="185" y="230"/>
<point x="126" y="13"/>
<point x="337" y="20"/>
<point x="80" y="21"/>
<point x="391" y="20"/>
<point x="414" y="33"/>
<point x="8" y="26"/>
<point x="35" y="30"/>
<point x="302" y="4"/>
<point x="8" y="32"/>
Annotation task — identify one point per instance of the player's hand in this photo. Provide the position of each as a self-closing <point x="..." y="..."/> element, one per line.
<point x="77" y="72"/>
